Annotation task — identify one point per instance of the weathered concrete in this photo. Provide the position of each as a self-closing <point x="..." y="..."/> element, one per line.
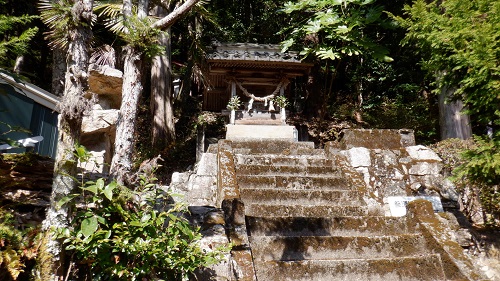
<point x="245" y="132"/>
<point x="298" y="214"/>
<point x="376" y="138"/>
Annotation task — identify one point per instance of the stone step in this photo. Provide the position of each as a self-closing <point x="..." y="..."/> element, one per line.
<point x="300" y="197"/>
<point x="327" y="211"/>
<point x="297" y="152"/>
<point x="272" y="145"/>
<point x="258" y="121"/>
<point x="293" y="182"/>
<point x="339" y="226"/>
<point x="263" y="146"/>
<point x="293" y="248"/>
<point x="271" y="170"/>
<point x="259" y="114"/>
<point x="422" y="268"/>
<point x="285" y="160"/>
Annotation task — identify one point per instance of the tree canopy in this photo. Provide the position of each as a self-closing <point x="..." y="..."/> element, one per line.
<point x="459" y="41"/>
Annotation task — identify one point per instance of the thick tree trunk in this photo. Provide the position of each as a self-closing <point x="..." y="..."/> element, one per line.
<point x="121" y="165"/>
<point x="72" y="107"/>
<point x="161" y="94"/>
<point x="453" y="122"/>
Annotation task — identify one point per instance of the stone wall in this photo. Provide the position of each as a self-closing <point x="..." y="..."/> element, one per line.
<point x="99" y="126"/>
<point x="392" y="165"/>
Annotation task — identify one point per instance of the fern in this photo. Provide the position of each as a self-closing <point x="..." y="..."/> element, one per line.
<point x="10" y="259"/>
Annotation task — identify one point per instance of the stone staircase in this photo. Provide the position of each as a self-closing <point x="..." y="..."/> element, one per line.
<point x="305" y="218"/>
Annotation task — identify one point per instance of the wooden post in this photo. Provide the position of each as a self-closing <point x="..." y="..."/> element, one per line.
<point x="200" y="142"/>
<point x="233" y="88"/>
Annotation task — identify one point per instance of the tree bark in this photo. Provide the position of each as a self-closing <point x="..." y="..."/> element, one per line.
<point x="58" y="71"/>
<point x="176" y="14"/>
<point x="161" y="93"/>
<point x="453" y="122"/>
<point x="72" y="107"/>
<point x="121" y="164"/>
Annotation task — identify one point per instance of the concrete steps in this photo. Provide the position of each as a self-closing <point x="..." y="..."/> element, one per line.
<point x="305" y="197"/>
<point x="295" y="170"/>
<point x="259" y="121"/>
<point x="292" y="248"/>
<point x="314" y="211"/>
<point x="320" y="226"/>
<point x="422" y="268"/>
<point x="285" y="160"/>
<point x="306" y="220"/>
<point x="293" y="182"/>
<point x="277" y="147"/>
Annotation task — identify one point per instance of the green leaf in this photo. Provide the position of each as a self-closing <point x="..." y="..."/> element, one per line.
<point x="89" y="226"/>
<point x="81" y="151"/>
<point x="100" y="184"/>
<point x="145" y="218"/>
<point x="135" y="223"/>
<point x="66" y="199"/>
<point x="91" y="188"/>
<point x="108" y="190"/>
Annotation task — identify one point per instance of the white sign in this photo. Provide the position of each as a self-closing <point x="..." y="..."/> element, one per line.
<point x="397" y="204"/>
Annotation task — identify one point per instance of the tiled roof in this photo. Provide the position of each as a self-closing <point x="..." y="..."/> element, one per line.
<point x="251" y="52"/>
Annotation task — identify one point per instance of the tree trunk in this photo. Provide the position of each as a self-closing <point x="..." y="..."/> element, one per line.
<point x="72" y="107"/>
<point x="58" y="71"/>
<point x="121" y="165"/>
<point x="161" y="83"/>
<point x="161" y="96"/>
<point x="453" y="122"/>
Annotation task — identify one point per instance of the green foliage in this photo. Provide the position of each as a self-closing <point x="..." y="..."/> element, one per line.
<point x="474" y="167"/>
<point x="16" y="246"/>
<point x="458" y="40"/>
<point x="336" y="29"/>
<point x="281" y="101"/>
<point x="122" y="234"/>
<point x="250" y="21"/>
<point x="459" y="43"/>
<point x="59" y="17"/>
<point x="482" y="163"/>
<point x="234" y="103"/>
<point x="10" y="241"/>
<point x="135" y="31"/>
<point x="15" y="35"/>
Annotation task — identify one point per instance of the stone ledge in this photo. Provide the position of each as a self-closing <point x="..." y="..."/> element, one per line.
<point x="249" y="132"/>
<point x="377" y="138"/>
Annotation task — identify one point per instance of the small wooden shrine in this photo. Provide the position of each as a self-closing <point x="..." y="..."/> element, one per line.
<point x="254" y="72"/>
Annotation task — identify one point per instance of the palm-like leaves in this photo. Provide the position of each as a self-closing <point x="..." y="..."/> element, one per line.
<point x="57" y="15"/>
<point x="113" y="14"/>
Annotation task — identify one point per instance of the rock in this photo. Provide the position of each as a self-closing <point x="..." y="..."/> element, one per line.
<point x="100" y="121"/>
<point x="420" y="152"/>
<point x="213" y="218"/>
<point x="425" y="168"/>
<point x="373" y="139"/>
<point x="105" y="80"/>
<point x="207" y="165"/>
<point x="359" y="157"/>
<point x="106" y="83"/>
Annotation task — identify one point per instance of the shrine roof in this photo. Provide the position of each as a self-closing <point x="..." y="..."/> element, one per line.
<point x="258" y="56"/>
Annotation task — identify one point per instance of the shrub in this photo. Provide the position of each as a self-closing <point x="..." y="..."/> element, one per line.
<point x="474" y="166"/>
<point x="118" y="233"/>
